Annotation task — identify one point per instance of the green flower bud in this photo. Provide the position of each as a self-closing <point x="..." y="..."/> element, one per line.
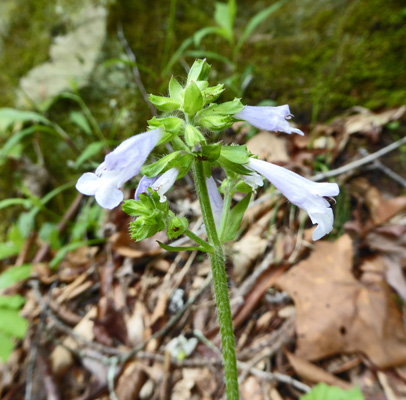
<point x="176" y="227"/>
<point x="193" y="136"/>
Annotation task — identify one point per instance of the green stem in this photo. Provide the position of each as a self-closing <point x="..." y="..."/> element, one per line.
<point x="220" y="285"/>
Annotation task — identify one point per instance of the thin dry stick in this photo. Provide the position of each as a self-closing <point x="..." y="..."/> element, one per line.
<point x="376" y="164"/>
<point x="358" y="163"/>
<point x="135" y="70"/>
<point x="268" y="376"/>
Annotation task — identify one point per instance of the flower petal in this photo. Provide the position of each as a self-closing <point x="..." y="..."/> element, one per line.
<point x="268" y="118"/>
<point x="302" y="192"/>
<point x="216" y="200"/>
<point x="144" y="184"/>
<point x="165" y="182"/>
<point x="88" y="184"/>
<point x="109" y="196"/>
<point x="118" y="167"/>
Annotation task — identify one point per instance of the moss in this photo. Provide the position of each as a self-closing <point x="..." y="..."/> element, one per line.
<point x="346" y="55"/>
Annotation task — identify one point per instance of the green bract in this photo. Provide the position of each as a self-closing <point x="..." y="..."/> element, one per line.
<point x="193" y="136"/>
<point x="199" y="71"/>
<point x="164" y="103"/>
<point x="193" y="99"/>
<point x="150" y="212"/>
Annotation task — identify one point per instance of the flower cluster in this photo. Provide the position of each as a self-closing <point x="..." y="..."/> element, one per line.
<point x="196" y="100"/>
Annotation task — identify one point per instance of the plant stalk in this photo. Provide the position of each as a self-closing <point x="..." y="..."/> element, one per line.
<point x="220" y="285"/>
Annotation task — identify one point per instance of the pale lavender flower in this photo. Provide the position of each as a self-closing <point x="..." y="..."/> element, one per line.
<point x="302" y="192"/>
<point x="254" y="180"/>
<point x="144" y="184"/>
<point x="165" y="182"/>
<point x="268" y="118"/>
<point x="118" y="167"/>
<point x="216" y="200"/>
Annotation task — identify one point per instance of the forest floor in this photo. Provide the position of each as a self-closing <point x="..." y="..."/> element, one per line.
<point x="131" y="320"/>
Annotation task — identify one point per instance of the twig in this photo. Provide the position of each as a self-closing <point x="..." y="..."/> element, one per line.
<point x="376" y="164"/>
<point x="174" y="319"/>
<point x="358" y="163"/>
<point x="136" y="72"/>
<point x="267" y="376"/>
<point x="43" y="251"/>
<point x="34" y="348"/>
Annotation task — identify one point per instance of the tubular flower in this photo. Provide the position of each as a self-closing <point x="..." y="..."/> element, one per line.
<point x="304" y="193"/>
<point x="118" y="167"/>
<point x="165" y="182"/>
<point x="144" y="184"/>
<point x="268" y="118"/>
<point x="216" y="200"/>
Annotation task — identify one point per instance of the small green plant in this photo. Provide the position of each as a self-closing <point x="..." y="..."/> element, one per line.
<point x="325" y="392"/>
<point x="191" y="117"/>
<point x="225" y="16"/>
<point x="12" y="325"/>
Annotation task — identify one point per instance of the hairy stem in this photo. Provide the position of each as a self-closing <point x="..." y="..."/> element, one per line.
<point x="220" y="285"/>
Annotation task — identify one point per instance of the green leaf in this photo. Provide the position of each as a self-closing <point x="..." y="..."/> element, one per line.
<point x="209" y="54"/>
<point x="90" y="151"/>
<point x="6" y="346"/>
<point x="176" y="55"/>
<point x="325" y="392"/>
<point x="79" y="119"/>
<point x="199" y="71"/>
<point x="175" y="90"/>
<point x="224" y="18"/>
<point x="49" y="233"/>
<point x="236" y="154"/>
<point x="9" y="249"/>
<point x="178" y="248"/>
<point x="9" y="116"/>
<point x="256" y="20"/>
<point x="235" y="217"/>
<point x="193" y="101"/>
<point x="201" y="33"/>
<point x="15" y="274"/>
<point x="12" y="302"/>
<point x="12" y="323"/>
<point x="15" y="202"/>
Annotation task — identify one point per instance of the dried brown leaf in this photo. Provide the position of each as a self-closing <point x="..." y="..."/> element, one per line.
<point x="336" y="313"/>
<point x="269" y="147"/>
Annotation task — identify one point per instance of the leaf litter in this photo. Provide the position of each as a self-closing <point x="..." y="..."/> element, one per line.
<point x="304" y="312"/>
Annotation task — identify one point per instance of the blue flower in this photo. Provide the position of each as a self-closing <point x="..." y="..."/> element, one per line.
<point x="118" y="167"/>
<point x="160" y="184"/>
<point x="306" y="194"/>
<point x="268" y="118"/>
